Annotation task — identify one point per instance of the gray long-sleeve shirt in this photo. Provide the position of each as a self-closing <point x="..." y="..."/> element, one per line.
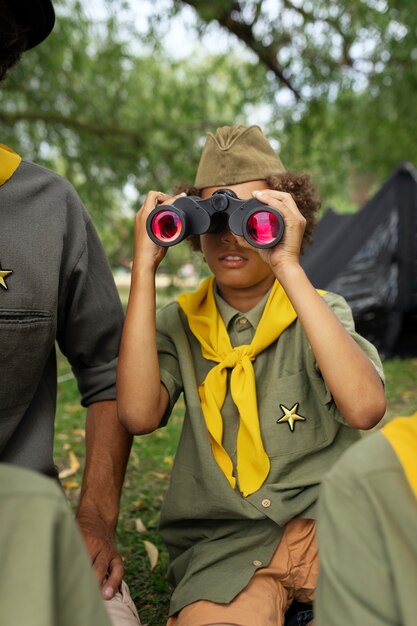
<point x="60" y="289"/>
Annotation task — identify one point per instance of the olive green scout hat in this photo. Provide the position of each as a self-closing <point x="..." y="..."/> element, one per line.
<point x="236" y="154"/>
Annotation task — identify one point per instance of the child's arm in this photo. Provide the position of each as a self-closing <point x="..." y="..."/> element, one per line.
<point x="142" y="399"/>
<point x="350" y="376"/>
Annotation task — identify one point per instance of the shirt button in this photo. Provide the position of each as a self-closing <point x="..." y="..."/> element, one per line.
<point x="266" y="503"/>
<point x="242" y="320"/>
<point x="257" y="563"/>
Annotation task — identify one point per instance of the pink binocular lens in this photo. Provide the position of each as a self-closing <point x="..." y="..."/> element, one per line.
<point x="263" y="227"/>
<point x="166" y="226"/>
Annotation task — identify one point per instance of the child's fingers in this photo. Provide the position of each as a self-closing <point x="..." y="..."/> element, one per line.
<point x="278" y="198"/>
<point x="171" y="199"/>
<point x="152" y="199"/>
<point x="283" y="202"/>
<point x="295" y="222"/>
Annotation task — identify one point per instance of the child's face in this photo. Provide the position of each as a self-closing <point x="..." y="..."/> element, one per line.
<point x="235" y="265"/>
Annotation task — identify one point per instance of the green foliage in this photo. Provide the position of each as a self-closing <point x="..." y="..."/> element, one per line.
<point x="401" y="387"/>
<point x="117" y="121"/>
<point x="108" y="104"/>
<point x="345" y="85"/>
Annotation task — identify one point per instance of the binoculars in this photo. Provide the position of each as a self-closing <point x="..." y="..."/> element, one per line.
<point x="261" y="225"/>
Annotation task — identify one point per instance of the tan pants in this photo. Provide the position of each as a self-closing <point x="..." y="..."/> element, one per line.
<point x="121" y="609"/>
<point x="291" y="575"/>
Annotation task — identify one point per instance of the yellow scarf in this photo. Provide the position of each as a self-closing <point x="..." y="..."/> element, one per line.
<point x="402" y="435"/>
<point x="207" y="325"/>
<point x="9" y="162"/>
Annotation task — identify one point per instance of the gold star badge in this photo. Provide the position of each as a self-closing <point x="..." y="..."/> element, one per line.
<point x="3" y="274"/>
<point x="290" y="416"/>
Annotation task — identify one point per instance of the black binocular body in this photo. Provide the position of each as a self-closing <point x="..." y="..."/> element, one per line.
<point x="261" y="225"/>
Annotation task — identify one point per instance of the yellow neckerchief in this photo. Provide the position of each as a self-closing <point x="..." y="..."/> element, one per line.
<point x="9" y="162"/>
<point x="208" y="327"/>
<point x="402" y="435"/>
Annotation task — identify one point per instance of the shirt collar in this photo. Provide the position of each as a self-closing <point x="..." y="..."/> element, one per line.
<point x="9" y="162"/>
<point x="227" y="312"/>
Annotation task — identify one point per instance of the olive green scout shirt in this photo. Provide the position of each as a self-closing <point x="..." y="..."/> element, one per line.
<point x="217" y="538"/>
<point x="45" y="576"/>
<point x="367" y="534"/>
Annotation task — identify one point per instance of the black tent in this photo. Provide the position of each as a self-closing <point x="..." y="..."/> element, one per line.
<point x="370" y="258"/>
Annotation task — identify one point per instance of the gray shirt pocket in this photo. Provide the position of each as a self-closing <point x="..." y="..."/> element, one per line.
<point x="26" y="340"/>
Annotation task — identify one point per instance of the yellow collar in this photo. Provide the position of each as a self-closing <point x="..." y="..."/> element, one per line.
<point x="402" y="435"/>
<point x="9" y="162"/>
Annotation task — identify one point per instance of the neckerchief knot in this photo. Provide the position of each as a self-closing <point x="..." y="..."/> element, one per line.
<point x="208" y="327"/>
<point x="236" y="356"/>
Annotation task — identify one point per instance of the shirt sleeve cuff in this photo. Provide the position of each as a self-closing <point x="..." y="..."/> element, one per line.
<point x="97" y="383"/>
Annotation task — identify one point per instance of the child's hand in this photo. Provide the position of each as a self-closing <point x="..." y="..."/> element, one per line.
<point x="288" y="249"/>
<point x="146" y="252"/>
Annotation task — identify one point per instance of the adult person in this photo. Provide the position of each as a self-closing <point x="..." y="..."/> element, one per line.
<point x="45" y="578"/>
<point x="367" y="521"/>
<point x="56" y="286"/>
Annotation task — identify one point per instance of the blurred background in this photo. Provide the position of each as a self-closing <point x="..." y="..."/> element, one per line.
<point x="121" y="95"/>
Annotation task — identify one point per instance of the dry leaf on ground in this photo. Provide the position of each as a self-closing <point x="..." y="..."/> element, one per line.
<point x="140" y="526"/>
<point x="73" y="467"/>
<point x="153" y="553"/>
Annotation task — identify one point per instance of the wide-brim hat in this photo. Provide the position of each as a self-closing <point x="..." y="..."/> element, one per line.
<point x="38" y="15"/>
<point x="236" y="154"/>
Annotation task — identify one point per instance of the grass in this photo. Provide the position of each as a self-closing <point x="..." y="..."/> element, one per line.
<point x="401" y="387"/>
<point x="148" y="473"/>
<point x="146" y="480"/>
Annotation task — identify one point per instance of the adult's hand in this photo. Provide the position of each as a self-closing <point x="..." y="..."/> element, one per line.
<point x="107" y="451"/>
<point x="106" y="561"/>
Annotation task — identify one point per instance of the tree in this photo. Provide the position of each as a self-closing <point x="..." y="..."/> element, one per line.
<point x="346" y="81"/>
<point x="108" y="105"/>
<point x="115" y="120"/>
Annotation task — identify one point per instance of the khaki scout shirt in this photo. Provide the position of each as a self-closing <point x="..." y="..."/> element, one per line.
<point x="217" y="538"/>
<point x="46" y="576"/>
<point x="367" y="533"/>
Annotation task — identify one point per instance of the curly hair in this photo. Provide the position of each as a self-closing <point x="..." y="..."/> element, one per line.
<point x="13" y="39"/>
<point x="298" y="184"/>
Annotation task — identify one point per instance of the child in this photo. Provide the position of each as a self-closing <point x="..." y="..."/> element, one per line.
<point x="275" y="382"/>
